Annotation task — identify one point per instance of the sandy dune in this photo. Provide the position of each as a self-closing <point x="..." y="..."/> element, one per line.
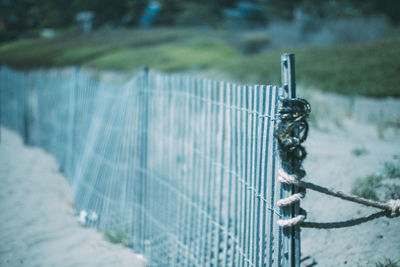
<point x="331" y="163"/>
<point x="37" y="223"/>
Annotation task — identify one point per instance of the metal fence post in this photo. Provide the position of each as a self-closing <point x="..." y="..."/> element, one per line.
<point x="291" y="242"/>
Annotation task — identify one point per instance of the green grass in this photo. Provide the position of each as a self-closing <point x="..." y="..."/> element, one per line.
<point x="117" y="237"/>
<point x="178" y="57"/>
<point x="391" y="169"/>
<point x="366" y="187"/>
<point x="81" y="49"/>
<point x="363" y="69"/>
<point x="385" y="263"/>
<point x="376" y="186"/>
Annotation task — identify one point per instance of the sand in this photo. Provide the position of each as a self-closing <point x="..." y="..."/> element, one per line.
<point x="331" y="163"/>
<point x="38" y="226"/>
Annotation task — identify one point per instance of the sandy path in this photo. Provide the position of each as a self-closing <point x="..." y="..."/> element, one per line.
<point x="331" y="163"/>
<point x="37" y="223"/>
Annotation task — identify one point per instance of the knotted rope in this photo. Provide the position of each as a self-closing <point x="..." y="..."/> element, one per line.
<point x="291" y="131"/>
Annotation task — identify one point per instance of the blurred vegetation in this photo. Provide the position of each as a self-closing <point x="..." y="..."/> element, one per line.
<point x="359" y="151"/>
<point x="362" y="69"/>
<point x="197" y="54"/>
<point x="391" y="170"/>
<point x="383" y="185"/>
<point x="19" y="17"/>
<point x="118" y="237"/>
<point x="385" y="262"/>
<point x="252" y="43"/>
<point x="369" y="69"/>
<point x="366" y="187"/>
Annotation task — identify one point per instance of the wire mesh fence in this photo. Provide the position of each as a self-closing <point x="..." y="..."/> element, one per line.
<point x="183" y="169"/>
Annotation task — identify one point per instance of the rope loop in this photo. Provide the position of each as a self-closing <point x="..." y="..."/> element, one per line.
<point x="391" y="209"/>
<point x="291" y="222"/>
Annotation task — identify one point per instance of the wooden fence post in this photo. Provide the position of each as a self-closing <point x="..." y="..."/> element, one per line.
<point x="291" y="241"/>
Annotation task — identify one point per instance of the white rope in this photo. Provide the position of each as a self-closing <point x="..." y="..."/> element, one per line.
<point x="292" y="221"/>
<point x="283" y="177"/>
<point x="290" y="200"/>
<point x="286" y="178"/>
<point x="390" y="209"/>
<point x="394" y="207"/>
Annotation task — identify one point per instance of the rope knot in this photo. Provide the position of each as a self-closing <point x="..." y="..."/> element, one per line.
<point x="291" y="131"/>
<point x="394" y="205"/>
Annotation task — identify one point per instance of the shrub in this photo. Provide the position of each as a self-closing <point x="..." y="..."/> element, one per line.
<point x="366" y="187"/>
<point x="254" y="43"/>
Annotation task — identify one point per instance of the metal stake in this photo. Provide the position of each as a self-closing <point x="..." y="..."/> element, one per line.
<point x="291" y="241"/>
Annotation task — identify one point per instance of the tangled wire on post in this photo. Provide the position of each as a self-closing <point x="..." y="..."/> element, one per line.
<point x="291" y="131"/>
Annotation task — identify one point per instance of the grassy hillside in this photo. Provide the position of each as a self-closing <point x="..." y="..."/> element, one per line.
<point x="364" y="69"/>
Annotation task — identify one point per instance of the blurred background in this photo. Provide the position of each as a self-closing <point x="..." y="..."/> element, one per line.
<point x="336" y="42"/>
<point x="347" y="66"/>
